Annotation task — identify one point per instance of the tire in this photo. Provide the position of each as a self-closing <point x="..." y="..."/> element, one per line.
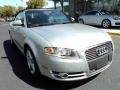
<point x="106" y="23"/>
<point x="81" y="21"/>
<point x="31" y="63"/>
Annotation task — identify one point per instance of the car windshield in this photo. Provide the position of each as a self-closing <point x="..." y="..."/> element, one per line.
<point x="36" y="18"/>
<point x="103" y="12"/>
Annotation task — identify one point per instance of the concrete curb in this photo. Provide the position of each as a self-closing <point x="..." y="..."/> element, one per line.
<point x="112" y="31"/>
<point x="118" y="34"/>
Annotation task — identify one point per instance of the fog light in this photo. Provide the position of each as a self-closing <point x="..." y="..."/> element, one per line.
<point x="63" y="75"/>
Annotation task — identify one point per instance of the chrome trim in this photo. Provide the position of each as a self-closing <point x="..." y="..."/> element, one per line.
<point x="71" y="76"/>
<point x="91" y="53"/>
<point x="100" y="51"/>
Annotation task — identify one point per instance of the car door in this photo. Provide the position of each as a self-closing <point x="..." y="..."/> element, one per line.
<point x="18" y="31"/>
<point x="92" y="17"/>
<point x="85" y="18"/>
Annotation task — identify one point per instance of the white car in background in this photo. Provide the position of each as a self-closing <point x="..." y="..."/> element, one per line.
<point x="59" y="49"/>
<point x="101" y="18"/>
<point x="2" y="20"/>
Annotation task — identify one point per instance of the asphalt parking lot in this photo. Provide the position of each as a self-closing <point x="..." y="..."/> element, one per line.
<point x="14" y="74"/>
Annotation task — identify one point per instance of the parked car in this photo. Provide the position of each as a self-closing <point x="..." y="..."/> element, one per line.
<point x="9" y="19"/>
<point x="101" y="18"/>
<point x="56" y="48"/>
<point x="2" y="20"/>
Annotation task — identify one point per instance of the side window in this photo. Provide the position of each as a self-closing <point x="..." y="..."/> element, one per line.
<point x="20" y="16"/>
<point x="92" y="13"/>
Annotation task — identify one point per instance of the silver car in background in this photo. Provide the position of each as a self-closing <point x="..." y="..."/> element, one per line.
<point x="101" y="18"/>
<point x="59" y="49"/>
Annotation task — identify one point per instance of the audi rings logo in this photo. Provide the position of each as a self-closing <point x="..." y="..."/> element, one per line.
<point x="101" y="51"/>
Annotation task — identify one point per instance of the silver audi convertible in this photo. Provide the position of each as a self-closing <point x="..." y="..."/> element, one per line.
<point x="101" y="18"/>
<point x="59" y="49"/>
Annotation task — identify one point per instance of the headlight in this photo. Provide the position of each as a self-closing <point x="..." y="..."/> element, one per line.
<point x="60" y="52"/>
<point x="116" y="18"/>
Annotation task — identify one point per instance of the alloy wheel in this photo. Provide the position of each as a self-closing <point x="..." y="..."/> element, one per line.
<point x="106" y="24"/>
<point x="30" y="62"/>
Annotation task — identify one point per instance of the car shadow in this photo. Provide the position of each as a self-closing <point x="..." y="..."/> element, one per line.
<point x="115" y="28"/>
<point x="20" y="69"/>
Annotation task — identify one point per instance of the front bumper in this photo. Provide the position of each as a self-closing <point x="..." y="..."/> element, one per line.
<point x="84" y="67"/>
<point x="75" y="69"/>
<point x="88" y="72"/>
<point x="79" y="75"/>
<point x="115" y="23"/>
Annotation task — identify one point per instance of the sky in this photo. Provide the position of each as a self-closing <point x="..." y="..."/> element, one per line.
<point x="17" y="3"/>
<point x="22" y="3"/>
<point x="13" y="2"/>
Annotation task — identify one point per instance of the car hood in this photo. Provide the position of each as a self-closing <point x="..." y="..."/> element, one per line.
<point x="74" y="36"/>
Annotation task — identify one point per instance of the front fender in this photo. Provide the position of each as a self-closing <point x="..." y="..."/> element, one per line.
<point x="37" y="43"/>
<point x="32" y="46"/>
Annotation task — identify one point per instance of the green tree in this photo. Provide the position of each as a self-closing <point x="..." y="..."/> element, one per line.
<point x="8" y="11"/>
<point x="20" y="8"/>
<point x="89" y="5"/>
<point x="116" y="7"/>
<point x="119" y="4"/>
<point x="84" y="5"/>
<point x="0" y="11"/>
<point x="106" y="1"/>
<point x="35" y="3"/>
<point x="55" y="2"/>
<point x="61" y="2"/>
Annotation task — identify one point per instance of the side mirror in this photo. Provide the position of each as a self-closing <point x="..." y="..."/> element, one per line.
<point x="17" y="23"/>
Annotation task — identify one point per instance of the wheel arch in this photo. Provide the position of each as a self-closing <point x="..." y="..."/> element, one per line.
<point x="37" y="64"/>
<point x="81" y="19"/>
<point x="31" y="46"/>
<point x="106" y="19"/>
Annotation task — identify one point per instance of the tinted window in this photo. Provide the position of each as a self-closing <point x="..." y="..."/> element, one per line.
<point x="92" y="13"/>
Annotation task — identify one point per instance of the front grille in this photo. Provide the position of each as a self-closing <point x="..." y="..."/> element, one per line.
<point x="91" y="53"/>
<point x="99" y="63"/>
